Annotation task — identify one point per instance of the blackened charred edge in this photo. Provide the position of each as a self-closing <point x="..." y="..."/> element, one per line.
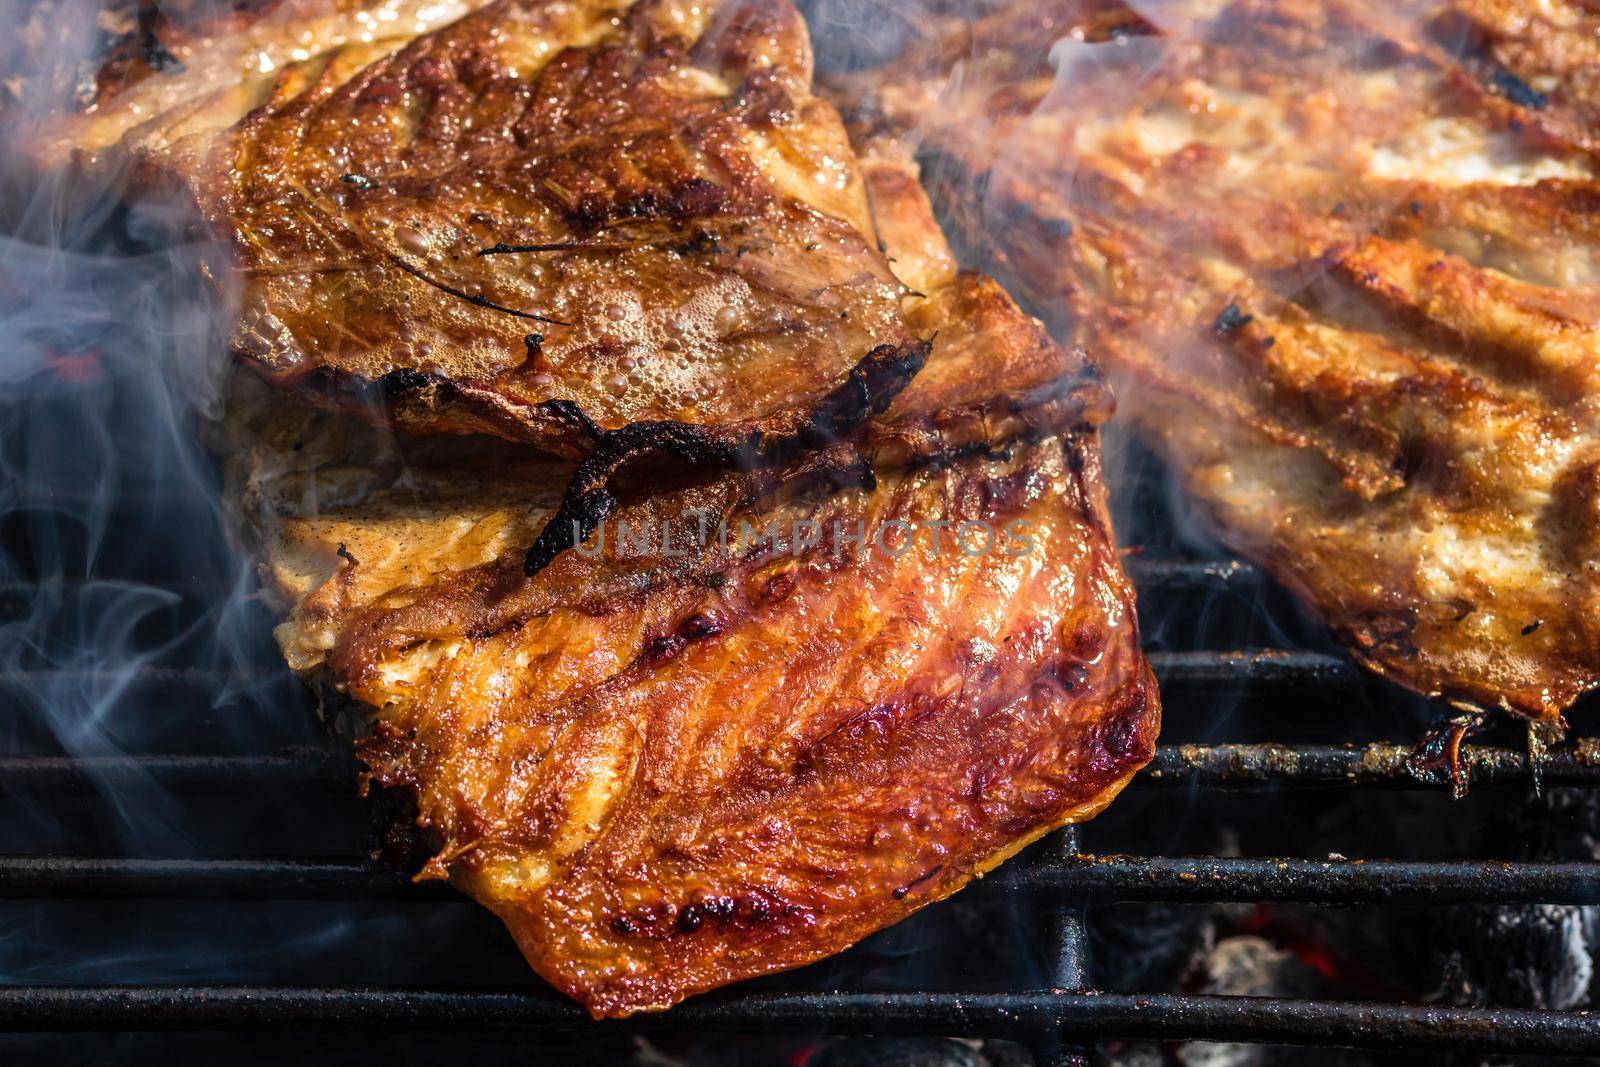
<point x="398" y="384"/>
<point x="696" y="627"/>
<point x="691" y="198"/>
<point x="1518" y="91"/>
<point x="1471" y="44"/>
<point x="1230" y="319"/>
<point x="152" y="52"/>
<point x="1437" y="757"/>
<point x="1080" y="398"/>
<point x="568" y="413"/>
<point x="869" y="388"/>
<point x="395" y="390"/>
<point x="395" y="836"/>
<point x="588" y="499"/>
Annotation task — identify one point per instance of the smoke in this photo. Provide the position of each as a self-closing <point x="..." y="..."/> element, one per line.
<point x="113" y="358"/>
<point x="132" y="629"/>
<point x="127" y="626"/>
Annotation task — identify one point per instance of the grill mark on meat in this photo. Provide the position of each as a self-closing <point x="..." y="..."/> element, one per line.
<point x="1397" y="395"/>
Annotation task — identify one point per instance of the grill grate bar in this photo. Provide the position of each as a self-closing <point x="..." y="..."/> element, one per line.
<point x="1186" y="879"/>
<point x="1144" y="1016"/>
<point x="180" y="772"/>
<point x="1254" y="668"/>
<point x="1069" y="971"/>
<point x="92" y="878"/>
<point x="1196" y="879"/>
<point x="1071" y="965"/>
<point x="1237" y="767"/>
<point x="1169" y="574"/>
<point x="1376" y="764"/>
<point x="1233" y="667"/>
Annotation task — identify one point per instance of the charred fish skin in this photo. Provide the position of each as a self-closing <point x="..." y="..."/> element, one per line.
<point x="1338" y="259"/>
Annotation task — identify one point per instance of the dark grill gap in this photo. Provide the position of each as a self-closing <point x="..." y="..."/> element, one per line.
<point x="1059" y="1018"/>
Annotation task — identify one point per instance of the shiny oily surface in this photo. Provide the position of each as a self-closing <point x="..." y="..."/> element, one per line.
<point x="541" y="219"/>
<point x="668" y="762"/>
<point x="665" y="775"/>
<point x="1341" y="260"/>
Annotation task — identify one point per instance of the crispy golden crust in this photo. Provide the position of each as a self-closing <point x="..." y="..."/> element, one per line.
<point x="696" y="829"/>
<point x="1340" y="256"/>
<point x="666" y="774"/>
<point x="546" y="220"/>
<point x="671" y="767"/>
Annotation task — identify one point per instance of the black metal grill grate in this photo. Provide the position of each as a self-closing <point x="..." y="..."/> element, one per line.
<point x="1058" y="1017"/>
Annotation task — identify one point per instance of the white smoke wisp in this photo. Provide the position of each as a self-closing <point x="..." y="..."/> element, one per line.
<point x="127" y="596"/>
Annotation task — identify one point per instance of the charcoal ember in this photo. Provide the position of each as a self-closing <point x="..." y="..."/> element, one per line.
<point x="899" y="1052"/>
<point x="1540" y="956"/>
<point x="1149" y="946"/>
<point x="1206" y="1054"/>
<point x="1536" y="956"/>
<point x="1250" y="966"/>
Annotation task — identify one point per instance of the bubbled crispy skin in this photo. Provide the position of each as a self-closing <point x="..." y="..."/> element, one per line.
<point x="670" y="769"/>
<point x="1341" y="260"/>
<point x="669" y="772"/>
<point x="550" y="220"/>
<point x="772" y="766"/>
<point x="666" y="776"/>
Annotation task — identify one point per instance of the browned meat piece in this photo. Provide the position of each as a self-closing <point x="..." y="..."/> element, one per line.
<point x="1341" y="259"/>
<point x="671" y="765"/>
<point x="549" y="221"/>
<point x="667" y="779"/>
<point x="994" y="374"/>
<point x="608" y="230"/>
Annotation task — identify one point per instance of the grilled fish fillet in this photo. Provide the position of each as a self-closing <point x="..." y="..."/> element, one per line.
<point x="551" y="220"/>
<point x="671" y="767"/>
<point x="1341" y="259"/>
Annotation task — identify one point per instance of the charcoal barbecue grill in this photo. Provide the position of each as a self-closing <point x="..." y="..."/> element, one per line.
<point x="1058" y="1017"/>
